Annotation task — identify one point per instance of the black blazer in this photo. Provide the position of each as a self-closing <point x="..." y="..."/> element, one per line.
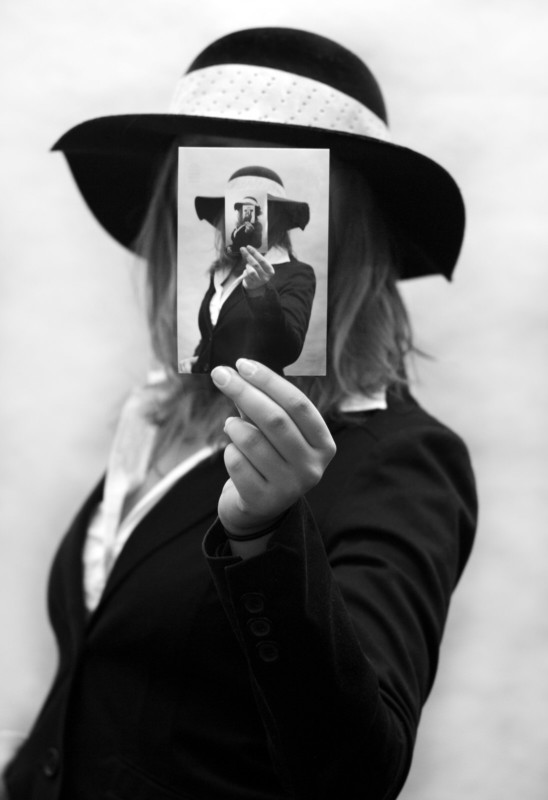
<point x="270" y="329"/>
<point x="298" y="673"/>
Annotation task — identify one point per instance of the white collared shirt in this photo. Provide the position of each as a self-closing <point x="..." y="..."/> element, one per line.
<point x="127" y="469"/>
<point x="101" y="549"/>
<point x="353" y="403"/>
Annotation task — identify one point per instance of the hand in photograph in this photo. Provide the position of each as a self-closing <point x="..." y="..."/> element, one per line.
<point x="185" y="366"/>
<point x="258" y="271"/>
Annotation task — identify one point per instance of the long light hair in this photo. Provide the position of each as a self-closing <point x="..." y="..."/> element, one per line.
<point x="368" y="334"/>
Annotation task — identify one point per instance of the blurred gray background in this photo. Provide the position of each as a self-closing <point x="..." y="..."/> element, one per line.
<point x="466" y="82"/>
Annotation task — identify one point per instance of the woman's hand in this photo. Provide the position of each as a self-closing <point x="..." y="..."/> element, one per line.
<point x="258" y="271"/>
<point x="276" y="453"/>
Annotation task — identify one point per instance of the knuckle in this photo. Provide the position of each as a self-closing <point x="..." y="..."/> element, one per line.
<point x="314" y="475"/>
<point x="330" y="450"/>
<point x="276" y="422"/>
<point x="298" y="404"/>
<point x="251" y="437"/>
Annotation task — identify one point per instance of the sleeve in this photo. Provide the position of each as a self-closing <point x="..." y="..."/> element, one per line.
<point x="283" y="312"/>
<point x="341" y="618"/>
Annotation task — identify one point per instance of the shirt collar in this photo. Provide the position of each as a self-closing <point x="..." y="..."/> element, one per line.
<point x="355" y="402"/>
<point x="277" y="255"/>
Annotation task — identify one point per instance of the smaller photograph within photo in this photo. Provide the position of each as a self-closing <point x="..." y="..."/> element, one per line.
<point x="248" y="224"/>
<point x="252" y="258"/>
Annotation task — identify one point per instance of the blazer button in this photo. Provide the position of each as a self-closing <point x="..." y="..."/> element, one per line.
<point x="268" y="651"/>
<point x="51" y="762"/>
<point x="253" y="602"/>
<point x="259" y="626"/>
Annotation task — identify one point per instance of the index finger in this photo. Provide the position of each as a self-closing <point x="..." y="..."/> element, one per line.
<point x="264" y="262"/>
<point x="302" y="412"/>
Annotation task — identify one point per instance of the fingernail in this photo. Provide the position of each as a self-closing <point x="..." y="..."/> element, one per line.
<point x="245" y="367"/>
<point x="228" y="421"/>
<point x="221" y="376"/>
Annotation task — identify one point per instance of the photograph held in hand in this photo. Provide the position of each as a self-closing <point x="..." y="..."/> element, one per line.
<point x="261" y="298"/>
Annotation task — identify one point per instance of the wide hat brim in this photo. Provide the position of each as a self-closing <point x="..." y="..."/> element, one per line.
<point x="291" y="213"/>
<point x="115" y="161"/>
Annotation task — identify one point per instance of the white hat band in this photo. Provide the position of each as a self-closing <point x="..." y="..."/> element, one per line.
<point x="262" y="94"/>
<point x="248" y="184"/>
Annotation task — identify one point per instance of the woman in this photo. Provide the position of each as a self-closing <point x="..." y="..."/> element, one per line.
<point x="257" y="305"/>
<point x="264" y="622"/>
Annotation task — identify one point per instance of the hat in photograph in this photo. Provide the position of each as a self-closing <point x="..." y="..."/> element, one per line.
<point x="291" y="213"/>
<point x="282" y="87"/>
<point x="245" y="201"/>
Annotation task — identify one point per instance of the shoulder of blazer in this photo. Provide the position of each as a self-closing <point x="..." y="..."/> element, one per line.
<point x="403" y="412"/>
<point x="402" y="452"/>
<point x="402" y="434"/>
<point x="293" y="266"/>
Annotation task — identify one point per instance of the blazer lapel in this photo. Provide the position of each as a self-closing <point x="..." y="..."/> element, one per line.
<point x="69" y="563"/>
<point x="190" y="501"/>
<point x="232" y="300"/>
<point x="204" y="308"/>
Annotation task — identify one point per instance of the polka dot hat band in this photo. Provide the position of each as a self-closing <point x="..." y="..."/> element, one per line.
<point x="288" y="88"/>
<point x="262" y="94"/>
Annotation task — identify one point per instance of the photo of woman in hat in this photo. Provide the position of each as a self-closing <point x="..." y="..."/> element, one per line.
<point x="248" y="229"/>
<point x="260" y="296"/>
<point x="250" y="603"/>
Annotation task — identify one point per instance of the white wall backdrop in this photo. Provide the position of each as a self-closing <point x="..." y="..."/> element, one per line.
<point x="466" y="82"/>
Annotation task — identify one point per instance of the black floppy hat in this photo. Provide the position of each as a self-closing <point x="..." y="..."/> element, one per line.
<point x="283" y="86"/>
<point x="291" y="213"/>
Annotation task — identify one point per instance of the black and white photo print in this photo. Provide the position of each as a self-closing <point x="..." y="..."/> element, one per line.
<point x="252" y="258"/>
